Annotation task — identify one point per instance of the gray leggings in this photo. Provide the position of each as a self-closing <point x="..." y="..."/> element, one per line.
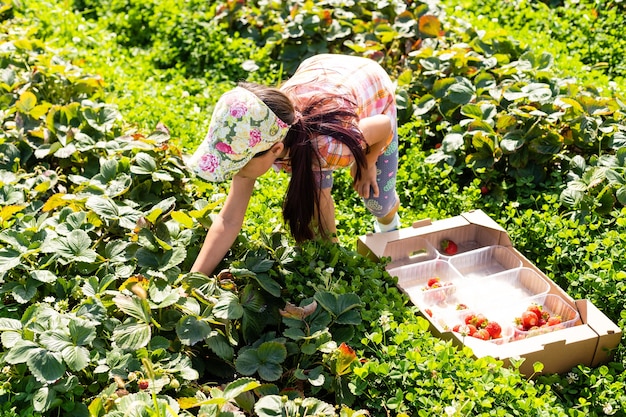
<point x="386" y="169"/>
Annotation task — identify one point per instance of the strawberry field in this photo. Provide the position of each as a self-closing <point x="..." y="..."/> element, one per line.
<point x="500" y="110"/>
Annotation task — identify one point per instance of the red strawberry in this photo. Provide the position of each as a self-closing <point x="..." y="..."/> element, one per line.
<point x="449" y="247"/>
<point x="429" y="312"/>
<point x="432" y="281"/>
<point x="461" y="306"/>
<point x="480" y="321"/>
<point x="471" y="329"/>
<point x="143" y="384"/>
<point x="529" y="319"/>
<point x="482" y="334"/>
<point x="537" y="309"/>
<point x="494" y="329"/>
<point x="554" y="320"/>
<point x="469" y="318"/>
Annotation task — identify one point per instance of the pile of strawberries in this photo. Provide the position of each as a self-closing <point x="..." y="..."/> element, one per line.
<point x="536" y="318"/>
<point x="478" y="326"/>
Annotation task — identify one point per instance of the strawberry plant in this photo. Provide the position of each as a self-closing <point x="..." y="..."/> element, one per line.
<point x="100" y="219"/>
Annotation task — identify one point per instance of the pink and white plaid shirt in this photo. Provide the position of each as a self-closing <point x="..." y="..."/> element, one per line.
<point x="360" y="80"/>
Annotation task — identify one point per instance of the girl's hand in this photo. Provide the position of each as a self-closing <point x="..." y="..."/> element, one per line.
<point x="367" y="186"/>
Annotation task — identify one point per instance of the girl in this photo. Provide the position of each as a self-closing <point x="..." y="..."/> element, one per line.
<point x="336" y="111"/>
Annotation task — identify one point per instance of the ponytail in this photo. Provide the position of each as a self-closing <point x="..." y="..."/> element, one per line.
<point x="324" y="117"/>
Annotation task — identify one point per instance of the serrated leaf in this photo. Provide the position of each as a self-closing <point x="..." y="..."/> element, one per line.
<point x="46" y="366"/>
<point x="10" y="338"/>
<point x="228" y="307"/>
<point x="143" y="164"/>
<point x="75" y="247"/>
<point x="9" y="259"/>
<point x="55" y="340"/>
<point x="43" y="399"/>
<point x="43" y="275"/>
<point x="103" y="207"/>
<point x="191" y="330"/>
<point x="239" y="386"/>
<point x="76" y="357"/>
<point x="219" y="345"/>
<point x="9" y="324"/>
<point x="132" y="336"/>
<point x="133" y="306"/>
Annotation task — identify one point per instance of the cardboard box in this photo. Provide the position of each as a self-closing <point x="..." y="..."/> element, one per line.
<point x="590" y="341"/>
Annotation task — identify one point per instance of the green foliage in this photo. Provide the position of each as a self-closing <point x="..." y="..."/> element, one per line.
<point x="584" y="36"/>
<point x="100" y="219"/>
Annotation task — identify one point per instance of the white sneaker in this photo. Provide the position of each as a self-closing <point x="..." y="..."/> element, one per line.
<point x="382" y="228"/>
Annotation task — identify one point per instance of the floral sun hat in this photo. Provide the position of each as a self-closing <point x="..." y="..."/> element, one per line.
<point x="241" y="127"/>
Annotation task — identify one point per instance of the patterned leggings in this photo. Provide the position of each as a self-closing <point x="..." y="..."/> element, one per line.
<point x="386" y="170"/>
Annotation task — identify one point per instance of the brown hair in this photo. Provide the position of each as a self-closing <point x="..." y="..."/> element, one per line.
<point x="333" y="116"/>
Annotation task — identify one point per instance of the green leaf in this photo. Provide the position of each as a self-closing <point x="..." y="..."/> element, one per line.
<point x="132" y="336"/>
<point x="268" y="284"/>
<point x="76" y="357"/>
<point x="143" y="164"/>
<point x="219" y="345"/>
<point x="21" y="352"/>
<point x="46" y="366"/>
<point x="104" y="207"/>
<point x="133" y="306"/>
<point x="82" y="332"/>
<point x="461" y="92"/>
<point x="43" y="276"/>
<point x="9" y="259"/>
<point x="247" y="362"/>
<point x="272" y="352"/>
<point x="270" y="371"/>
<point x="239" y="386"/>
<point x="424" y="104"/>
<point x="337" y="304"/>
<point x="191" y="330"/>
<point x="7" y="324"/>
<point x="43" y="399"/>
<point x="74" y="247"/>
<point x="228" y="307"/>
<point x="108" y="169"/>
<point x="55" y="340"/>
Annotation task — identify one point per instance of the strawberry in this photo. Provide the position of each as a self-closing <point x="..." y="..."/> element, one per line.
<point x="448" y="247"/>
<point x="461" y="306"/>
<point x="537" y="309"/>
<point x="143" y="384"/>
<point x="469" y="318"/>
<point x="429" y="312"/>
<point x="479" y="321"/>
<point x="482" y="334"/>
<point x="553" y="321"/>
<point x="529" y="319"/>
<point x="494" y="329"/>
<point x="432" y="281"/>
<point x="464" y="329"/>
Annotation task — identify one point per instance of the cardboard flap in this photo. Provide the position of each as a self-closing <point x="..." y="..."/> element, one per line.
<point x="609" y="334"/>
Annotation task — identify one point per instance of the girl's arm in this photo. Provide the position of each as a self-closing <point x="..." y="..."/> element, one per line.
<point x="376" y="130"/>
<point x="226" y="226"/>
<point x="327" y="213"/>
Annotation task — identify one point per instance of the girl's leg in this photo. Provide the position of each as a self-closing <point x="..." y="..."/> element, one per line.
<point x="385" y="206"/>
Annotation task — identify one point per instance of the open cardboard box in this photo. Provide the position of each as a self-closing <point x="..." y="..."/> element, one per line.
<point x="589" y="342"/>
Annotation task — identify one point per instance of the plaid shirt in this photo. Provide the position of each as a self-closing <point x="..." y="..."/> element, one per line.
<point x="359" y="80"/>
